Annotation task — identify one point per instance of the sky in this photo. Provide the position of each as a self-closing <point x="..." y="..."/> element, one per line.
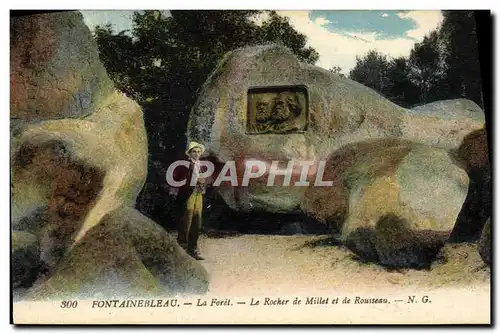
<point x="338" y="36"/>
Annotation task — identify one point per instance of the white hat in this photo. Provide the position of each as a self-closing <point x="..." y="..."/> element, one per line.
<point x="194" y="144"/>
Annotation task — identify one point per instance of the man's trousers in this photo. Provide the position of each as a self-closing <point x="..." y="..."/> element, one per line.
<point x="190" y="224"/>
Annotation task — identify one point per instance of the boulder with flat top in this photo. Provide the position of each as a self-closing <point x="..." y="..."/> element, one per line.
<point x="397" y="181"/>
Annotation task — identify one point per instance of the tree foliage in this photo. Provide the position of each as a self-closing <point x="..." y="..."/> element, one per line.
<point x="277" y="29"/>
<point x="444" y="65"/>
<point x="402" y="88"/>
<point x="167" y="58"/>
<point x="371" y="70"/>
<point x="427" y="69"/>
<point x="463" y="74"/>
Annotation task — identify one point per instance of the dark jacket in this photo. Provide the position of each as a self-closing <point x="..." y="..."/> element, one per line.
<point x="183" y="173"/>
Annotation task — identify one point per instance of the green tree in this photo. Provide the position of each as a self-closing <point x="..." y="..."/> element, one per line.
<point x="428" y="68"/>
<point x="444" y="65"/>
<point x="401" y="89"/>
<point x="278" y="29"/>
<point x="391" y="78"/>
<point x="118" y="57"/>
<point x="371" y="70"/>
<point x="463" y="76"/>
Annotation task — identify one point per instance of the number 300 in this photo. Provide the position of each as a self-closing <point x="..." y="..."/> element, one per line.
<point x="69" y="304"/>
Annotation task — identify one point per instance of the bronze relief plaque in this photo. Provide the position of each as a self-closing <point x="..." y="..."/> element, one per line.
<point x="279" y="109"/>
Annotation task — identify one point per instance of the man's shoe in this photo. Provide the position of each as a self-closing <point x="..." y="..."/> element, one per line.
<point x="197" y="256"/>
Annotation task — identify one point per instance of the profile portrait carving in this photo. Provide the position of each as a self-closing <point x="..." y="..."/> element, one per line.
<point x="277" y="110"/>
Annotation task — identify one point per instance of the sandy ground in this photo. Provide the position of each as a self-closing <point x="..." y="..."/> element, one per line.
<point x="249" y="268"/>
<point x="253" y="265"/>
<point x="258" y="264"/>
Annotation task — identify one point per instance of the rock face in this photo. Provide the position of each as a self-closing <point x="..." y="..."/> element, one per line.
<point x="484" y="245"/>
<point x="53" y="59"/>
<point x="383" y="160"/>
<point x="473" y="156"/>
<point x="126" y="254"/>
<point x="341" y="112"/>
<point x="78" y="148"/>
<point x="387" y="195"/>
<point x="25" y="259"/>
<point x="443" y="124"/>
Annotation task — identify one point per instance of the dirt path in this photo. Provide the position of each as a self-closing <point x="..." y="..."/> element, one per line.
<point x="258" y="264"/>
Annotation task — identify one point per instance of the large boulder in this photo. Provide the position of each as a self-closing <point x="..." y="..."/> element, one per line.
<point x="80" y="169"/>
<point x="55" y="70"/>
<point x="395" y="202"/>
<point x="125" y="255"/>
<point x="388" y="165"/>
<point x="78" y="147"/>
<point x="341" y="112"/>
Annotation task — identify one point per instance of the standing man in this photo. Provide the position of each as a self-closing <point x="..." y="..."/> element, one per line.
<point x="190" y="201"/>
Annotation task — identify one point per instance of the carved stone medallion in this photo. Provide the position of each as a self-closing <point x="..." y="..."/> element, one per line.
<point x="277" y="110"/>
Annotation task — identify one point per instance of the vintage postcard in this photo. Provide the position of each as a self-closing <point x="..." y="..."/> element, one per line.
<point x="249" y="167"/>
